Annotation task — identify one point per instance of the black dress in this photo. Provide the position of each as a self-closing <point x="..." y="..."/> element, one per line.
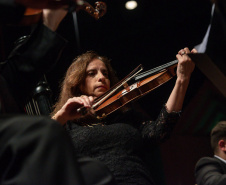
<point x="120" y="144"/>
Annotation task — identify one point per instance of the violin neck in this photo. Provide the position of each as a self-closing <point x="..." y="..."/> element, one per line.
<point x="155" y="70"/>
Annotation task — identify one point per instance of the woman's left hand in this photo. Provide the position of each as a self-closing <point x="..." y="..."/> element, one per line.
<point x="185" y="65"/>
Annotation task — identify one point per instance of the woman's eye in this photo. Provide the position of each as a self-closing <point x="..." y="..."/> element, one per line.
<point x="91" y="73"/>
<point x="105" y="74"/>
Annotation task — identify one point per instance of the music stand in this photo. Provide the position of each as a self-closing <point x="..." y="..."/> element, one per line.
<point x="210" y="70"/>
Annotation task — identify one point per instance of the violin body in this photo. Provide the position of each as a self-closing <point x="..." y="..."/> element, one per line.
<point x="134" y="92"/>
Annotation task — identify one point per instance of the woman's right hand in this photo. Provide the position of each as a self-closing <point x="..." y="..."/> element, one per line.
<point x="69" y="110"/>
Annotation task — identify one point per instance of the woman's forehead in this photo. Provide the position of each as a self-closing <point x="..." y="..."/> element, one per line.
<point x="96" y="63"/>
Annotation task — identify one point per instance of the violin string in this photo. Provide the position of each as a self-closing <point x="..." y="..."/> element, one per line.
<point x="156" y="69"/>
<point x="117" y="87"/>
<point x="160" y="67"/>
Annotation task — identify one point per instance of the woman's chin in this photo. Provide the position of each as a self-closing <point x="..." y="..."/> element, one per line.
<point x="99" y="93"/>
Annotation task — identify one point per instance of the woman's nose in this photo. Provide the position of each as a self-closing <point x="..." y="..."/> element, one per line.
<point x="101" y="77"/>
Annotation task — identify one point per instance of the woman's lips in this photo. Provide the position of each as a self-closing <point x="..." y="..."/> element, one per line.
<point x="101" y="87"/>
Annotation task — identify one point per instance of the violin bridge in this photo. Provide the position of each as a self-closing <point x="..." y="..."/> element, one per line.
<point x="125" y="85"/>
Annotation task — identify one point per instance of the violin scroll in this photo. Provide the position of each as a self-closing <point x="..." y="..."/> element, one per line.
<point x="97" y="12"/>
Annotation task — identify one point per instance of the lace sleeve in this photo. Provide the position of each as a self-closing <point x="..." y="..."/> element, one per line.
<point x="159" y="130"/>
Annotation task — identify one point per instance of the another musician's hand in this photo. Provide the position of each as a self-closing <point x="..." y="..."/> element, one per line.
<point x="185" y="65"/>
<point x="69" y="110"/>
<point x="53" y="17"/>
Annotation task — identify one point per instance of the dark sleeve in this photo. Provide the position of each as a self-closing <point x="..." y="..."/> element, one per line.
<point x="10" y="12"/>
<point x="209" y="171"/>
<point x="28" y="62"/>
<point x="159" y="130"/>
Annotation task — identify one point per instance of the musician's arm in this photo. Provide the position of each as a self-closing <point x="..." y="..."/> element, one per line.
<point x="184" y="70"/>
<point x="34" y="57"/>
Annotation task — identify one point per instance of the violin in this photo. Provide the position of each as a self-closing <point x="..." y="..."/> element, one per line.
<point x="145" y="83"/>
<point x="33" y="16"/>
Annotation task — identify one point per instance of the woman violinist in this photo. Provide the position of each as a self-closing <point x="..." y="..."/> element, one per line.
<point x="119" y="142"/>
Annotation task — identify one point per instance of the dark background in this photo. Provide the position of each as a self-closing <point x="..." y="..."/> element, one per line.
<point x="150" y="35"/>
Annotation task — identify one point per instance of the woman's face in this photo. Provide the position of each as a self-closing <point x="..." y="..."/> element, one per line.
<point x="96" y="81"/>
